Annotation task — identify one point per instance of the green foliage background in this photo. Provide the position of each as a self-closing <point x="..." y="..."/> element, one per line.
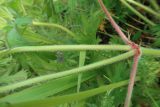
<point x="82" y="17"/>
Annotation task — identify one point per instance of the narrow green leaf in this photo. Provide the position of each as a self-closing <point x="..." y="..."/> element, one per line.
<point x="54" y="101"/>
<point x="82" y="57"/>
<point x="44" y="90"/>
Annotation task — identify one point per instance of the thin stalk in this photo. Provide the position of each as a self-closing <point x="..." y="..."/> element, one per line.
<point x="129" y="24"/>
<point x="66" y="73"/>
<point x="145" y="8"/>
<point x="155" y="5"/>
<point x="53" y="48"/>
<point x="113" y="23"/>
<point x="136" y="20"/>
<point x="138" y="13"/>
<point x="54" y="26"/>
<point x="134" y="46"/>
<point x="131" y="82"/>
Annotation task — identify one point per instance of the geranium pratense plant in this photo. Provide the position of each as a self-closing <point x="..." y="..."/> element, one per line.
<point x="133" y="46"/>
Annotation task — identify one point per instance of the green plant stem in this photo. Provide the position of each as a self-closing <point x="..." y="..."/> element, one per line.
<point x="54" y="101"/>
<point x="155" y="5"/>
<point x="136" y="20"/>
<point x="152" y="52"/>
<point x="66" y="73"/>
<point x="54" y="26"/>
<point x="52" y="48"/>
<point x="138" y="13"/>
<point x="145" y="8"/>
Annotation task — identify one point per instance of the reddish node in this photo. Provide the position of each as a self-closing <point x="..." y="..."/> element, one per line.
<point x="135" y="47"/>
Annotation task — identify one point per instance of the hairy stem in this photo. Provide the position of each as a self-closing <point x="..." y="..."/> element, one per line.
<point x="114" y="24"/>
<point x="132" y="45"/>
<point x="53" y="48"/>
<point x="132" y="79"/>
<point x="66" y="73"/>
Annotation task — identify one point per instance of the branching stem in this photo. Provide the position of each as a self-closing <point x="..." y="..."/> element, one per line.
<point x="66" y="73"/>
<point x="132" y="45"/>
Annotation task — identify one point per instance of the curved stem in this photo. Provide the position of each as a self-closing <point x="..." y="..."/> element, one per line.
<point x="66" y="73"/>
<point x="52" y="48"/>
<point x="113" y="23"/>
<point x="54" y="25"/>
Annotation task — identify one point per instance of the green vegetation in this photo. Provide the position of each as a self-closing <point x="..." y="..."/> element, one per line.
<point x="65" y="53"/>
